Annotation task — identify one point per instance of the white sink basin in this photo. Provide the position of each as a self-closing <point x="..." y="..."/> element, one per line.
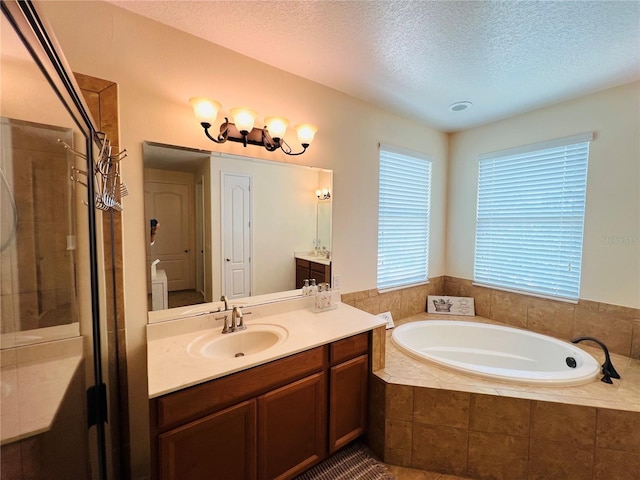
<point x="255" y="339"/>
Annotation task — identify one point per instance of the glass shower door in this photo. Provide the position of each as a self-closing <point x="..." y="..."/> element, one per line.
<point x="51" y="288"/>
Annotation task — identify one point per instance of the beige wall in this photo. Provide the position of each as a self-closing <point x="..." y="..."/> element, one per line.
<point x="157" y="69"/>
<point x="611" y="251"/>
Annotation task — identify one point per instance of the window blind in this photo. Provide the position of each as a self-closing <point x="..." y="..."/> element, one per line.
<point x="403" y="218"/>
<point x="530" y="217"/>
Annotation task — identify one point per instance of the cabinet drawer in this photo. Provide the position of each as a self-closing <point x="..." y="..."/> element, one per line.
<point x="176" y="408"/>
<point x="349" y="348"/>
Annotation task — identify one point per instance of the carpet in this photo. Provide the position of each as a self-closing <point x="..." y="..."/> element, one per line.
<point x="354" y="462"/>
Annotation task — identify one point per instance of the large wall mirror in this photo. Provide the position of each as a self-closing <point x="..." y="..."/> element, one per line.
<point x="221" y="224"/>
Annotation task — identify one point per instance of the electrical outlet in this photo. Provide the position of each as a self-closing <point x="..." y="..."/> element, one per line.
<point x="336" y="282"/>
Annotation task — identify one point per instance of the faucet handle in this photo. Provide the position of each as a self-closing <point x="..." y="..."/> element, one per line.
<point x="226" y="326"/>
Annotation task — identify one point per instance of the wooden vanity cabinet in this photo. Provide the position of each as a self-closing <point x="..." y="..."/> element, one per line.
<point x="306" y="270"/>
<point x="270" y="422"/>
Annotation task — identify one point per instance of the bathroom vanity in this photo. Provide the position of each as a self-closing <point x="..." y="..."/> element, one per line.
<point x="271" y="416"/>
<point x="312" y="266"/>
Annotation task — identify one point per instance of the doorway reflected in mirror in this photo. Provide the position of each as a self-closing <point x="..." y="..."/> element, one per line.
<point x="230" y="225"/>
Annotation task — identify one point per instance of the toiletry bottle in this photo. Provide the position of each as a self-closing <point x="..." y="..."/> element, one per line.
<point x="313" y="289"/>
<point x="305" y="288"/>
<point x="327" y="295"/>
<point x="319" y="298"/>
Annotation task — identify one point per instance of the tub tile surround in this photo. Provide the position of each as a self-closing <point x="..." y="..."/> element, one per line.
<point x="429" y="422"/>
<point x="624" y="394"/>
<point x="433" y="419"/>
<point x="401" y="303"/>
<point x="404" y="473"/>
<point x="617" y="326"/>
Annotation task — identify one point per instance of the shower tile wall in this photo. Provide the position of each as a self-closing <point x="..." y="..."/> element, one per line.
<point x="37" y="283"/>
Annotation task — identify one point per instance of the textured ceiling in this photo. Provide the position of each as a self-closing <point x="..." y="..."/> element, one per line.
<point x="417" y="57"/>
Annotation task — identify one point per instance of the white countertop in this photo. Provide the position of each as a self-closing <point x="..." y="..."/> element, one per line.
<point x="171" y="367"/>
<point x="321" y="259"/>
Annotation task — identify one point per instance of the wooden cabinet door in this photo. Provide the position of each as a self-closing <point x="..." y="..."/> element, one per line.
<point x="318" y="271"/>
<point x="219" y="446"/>
<point x="292" y="425"/>
<point x="348" y="403"/>
<point x="302" y="272"/>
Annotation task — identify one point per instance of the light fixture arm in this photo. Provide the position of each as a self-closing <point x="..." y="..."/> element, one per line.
<point x="288" y="150"/>
<point x="224" y="131"/>
<point x="271" y="144"/>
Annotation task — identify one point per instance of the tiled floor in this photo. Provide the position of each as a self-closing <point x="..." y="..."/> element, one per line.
<point x="402" y="473"/>
<point x="181" y="298"/>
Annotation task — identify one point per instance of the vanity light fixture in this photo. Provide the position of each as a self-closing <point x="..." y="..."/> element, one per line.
<point x="242" y="130"/>
<point x="323" y="194"/>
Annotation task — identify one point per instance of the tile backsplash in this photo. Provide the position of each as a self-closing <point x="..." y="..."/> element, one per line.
<point x="618" y="327"/>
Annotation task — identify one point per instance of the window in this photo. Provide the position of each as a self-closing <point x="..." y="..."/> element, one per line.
<point x="403" y="217"/>
<point x="530" y="217"/>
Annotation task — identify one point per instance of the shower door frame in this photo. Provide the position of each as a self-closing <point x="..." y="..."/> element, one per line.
<point x="37" y="37"/>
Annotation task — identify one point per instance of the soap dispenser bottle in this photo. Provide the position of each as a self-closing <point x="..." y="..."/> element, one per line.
<point x="319" y="299"/>
<point x="313" y="289"/>
<point x="326" y="301"/>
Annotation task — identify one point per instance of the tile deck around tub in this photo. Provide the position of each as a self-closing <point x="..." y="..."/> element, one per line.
<point x="624" y="394"/>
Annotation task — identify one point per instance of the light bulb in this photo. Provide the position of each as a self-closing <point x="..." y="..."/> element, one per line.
<point x="277" y="126"/>
<point x="205" y="109"/>
<point x="244" y="118"/>
<point x="306" y="132"/>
